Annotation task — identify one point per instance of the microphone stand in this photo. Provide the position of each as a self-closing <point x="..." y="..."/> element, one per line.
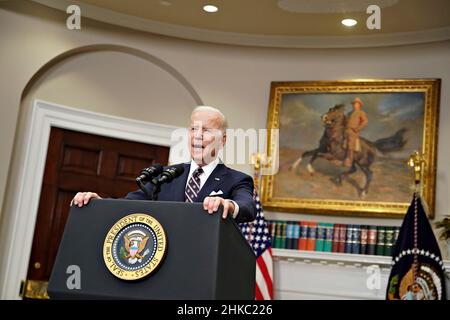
<point x="142" y="187"/>
<point x="156" y="189"/>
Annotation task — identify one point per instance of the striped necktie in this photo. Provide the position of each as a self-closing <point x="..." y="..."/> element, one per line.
<point x="193" y="186"/>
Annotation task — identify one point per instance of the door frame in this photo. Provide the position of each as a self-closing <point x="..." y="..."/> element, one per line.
<point x="19" y="234"/>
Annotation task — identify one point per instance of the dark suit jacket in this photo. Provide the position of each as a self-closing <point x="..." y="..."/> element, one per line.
<point x="235" y="185"/>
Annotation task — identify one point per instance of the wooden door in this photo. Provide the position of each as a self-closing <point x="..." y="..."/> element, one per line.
<point x="80" y="162"/>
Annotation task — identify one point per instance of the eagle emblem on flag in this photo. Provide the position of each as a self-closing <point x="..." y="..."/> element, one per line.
<point x="418" y="271"/>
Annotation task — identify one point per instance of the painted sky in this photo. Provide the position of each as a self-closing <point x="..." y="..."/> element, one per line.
<point x="301" y="127"/>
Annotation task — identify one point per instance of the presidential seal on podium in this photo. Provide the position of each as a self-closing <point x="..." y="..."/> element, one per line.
<point x="134" y="246"/>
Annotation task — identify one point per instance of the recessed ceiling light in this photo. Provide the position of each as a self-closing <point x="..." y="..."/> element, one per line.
<point x="210" y="8"/>
<point x="349" y="22"/>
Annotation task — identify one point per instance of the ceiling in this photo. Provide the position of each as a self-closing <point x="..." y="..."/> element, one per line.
<point x="286" y="21"/>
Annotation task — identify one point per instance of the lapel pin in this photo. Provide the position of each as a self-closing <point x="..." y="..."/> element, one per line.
<point x="217" y="179"/>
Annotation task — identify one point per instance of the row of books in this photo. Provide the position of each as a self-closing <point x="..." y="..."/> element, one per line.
<point x="329" y="237"/>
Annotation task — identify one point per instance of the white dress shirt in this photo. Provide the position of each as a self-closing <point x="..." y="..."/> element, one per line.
<point x="207" y="170"/>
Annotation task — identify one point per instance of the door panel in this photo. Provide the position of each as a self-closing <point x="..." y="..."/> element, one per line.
<point x="81" y="160"/>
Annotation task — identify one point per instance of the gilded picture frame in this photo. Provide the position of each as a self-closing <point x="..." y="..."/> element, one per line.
<point x="313" y="119"/>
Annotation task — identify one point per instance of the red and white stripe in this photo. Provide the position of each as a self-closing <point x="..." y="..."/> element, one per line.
<point x="264" y="276"/>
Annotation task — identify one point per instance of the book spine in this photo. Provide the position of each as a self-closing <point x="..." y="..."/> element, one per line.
<point x="328" y="243"/>
<point x="381" y="234"/>
<point x="389" y="241"/>
<point x="349" y="239"/>
<point x="283" y="235"/>
<point x="272" y="232"/>
<point x="303" y="235"/>
<point x="296" y="235"/>
<point x="269" y="228"/>
<point x="342" y="237"/>
<point x="276" y="228"/>
<point x="372" y="240"/>
<point x="289" y="235"/>
<point x="320" y="239"/>
<point x="356" y="238"/>
<point x="336" y="236"/>
<point x="396" y="233"/>
<point x="312" y="234"/>
<point x="364" y="239"/>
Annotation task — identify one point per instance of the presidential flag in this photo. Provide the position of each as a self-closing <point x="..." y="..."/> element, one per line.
<point x="418" y="270"/>
<point x="258" y="236"/>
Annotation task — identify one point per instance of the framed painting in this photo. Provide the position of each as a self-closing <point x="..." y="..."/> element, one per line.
<point x="343" y="145"/>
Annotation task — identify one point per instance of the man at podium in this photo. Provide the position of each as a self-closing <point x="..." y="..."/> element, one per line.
<point x="205" y="179"/>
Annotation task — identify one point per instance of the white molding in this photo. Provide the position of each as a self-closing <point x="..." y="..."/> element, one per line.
<point x="324" y="275"/>
<point x="331" y="258"/>
<point x="18" y="236"/>
<point x="245" y="39"/>
<point x="347" y="259"/>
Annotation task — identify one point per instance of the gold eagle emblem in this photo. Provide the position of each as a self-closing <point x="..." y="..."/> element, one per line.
<point x="135" y="243"/>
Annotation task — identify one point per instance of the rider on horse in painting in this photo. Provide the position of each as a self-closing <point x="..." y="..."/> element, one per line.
<point x="342" y="145"/>
<point x="356" y="121"/>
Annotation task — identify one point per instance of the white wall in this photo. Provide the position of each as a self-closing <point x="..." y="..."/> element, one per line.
<point x="116" y="83"/>
<point x="236" y="79"/>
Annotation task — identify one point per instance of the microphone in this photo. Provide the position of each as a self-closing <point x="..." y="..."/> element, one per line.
<point x="169" y="174"/>
<point x="148" y="173"/>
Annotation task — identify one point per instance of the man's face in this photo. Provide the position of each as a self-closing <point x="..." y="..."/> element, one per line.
<point x="205" y="136"/>
<point x="356" y="106"/>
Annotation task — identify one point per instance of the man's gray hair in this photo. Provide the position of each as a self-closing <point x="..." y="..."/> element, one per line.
<point x="223" y="119"/>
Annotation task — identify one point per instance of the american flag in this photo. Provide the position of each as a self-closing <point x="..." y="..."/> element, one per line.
<point x="258" y="235"/>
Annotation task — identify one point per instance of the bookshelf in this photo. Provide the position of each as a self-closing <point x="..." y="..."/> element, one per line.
<point x="353" y="239"/>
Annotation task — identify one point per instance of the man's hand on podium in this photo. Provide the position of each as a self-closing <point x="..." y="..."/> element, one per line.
<point x="211" y="204"/>
<point x="83" y="198"/>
